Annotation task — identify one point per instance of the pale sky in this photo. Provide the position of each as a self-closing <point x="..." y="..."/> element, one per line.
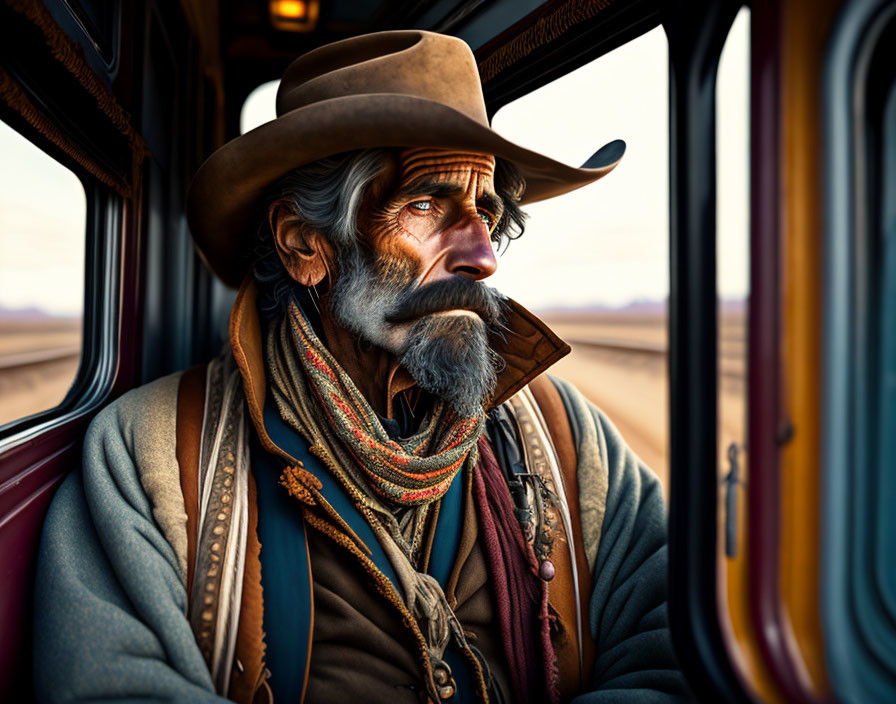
<point x="606" y="243"/>
<point x="43" y="214"/>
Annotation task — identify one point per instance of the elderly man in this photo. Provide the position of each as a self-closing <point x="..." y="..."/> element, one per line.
<point x="374" y="494"/>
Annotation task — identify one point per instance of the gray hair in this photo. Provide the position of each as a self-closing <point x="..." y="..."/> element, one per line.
<point x="325" y="194"/>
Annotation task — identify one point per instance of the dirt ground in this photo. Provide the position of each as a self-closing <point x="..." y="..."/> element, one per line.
<point x="632" y="389"/>
<point x="25" y="390"/>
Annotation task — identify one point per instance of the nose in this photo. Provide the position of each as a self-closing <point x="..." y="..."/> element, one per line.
<point x="470" y="251"/>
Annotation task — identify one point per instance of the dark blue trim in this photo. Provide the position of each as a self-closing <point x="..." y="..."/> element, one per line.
<point x="448" y="529"/>
<point x="859" y="624"/>
<point x="285" y="578"/>
<point x="441" y="561"/>
<point x="293" y="444"/>
<point x="285" y="569"/>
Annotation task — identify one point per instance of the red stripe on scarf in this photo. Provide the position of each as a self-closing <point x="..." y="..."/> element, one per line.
<point x="319" y="364"/>
<point x="418" y="471"/>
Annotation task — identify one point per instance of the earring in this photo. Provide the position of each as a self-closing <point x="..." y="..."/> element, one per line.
<point x="315" y="297"/>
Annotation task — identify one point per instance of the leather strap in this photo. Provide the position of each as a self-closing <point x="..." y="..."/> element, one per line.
<point x="190" y="404"/>
<point x="247" y="680"/>
<point x="553" y="415"/>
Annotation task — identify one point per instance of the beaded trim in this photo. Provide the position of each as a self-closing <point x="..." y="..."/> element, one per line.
<point x="223" y="521"/>
<point x="12" y="94"/>
<point x="552" y="508"/>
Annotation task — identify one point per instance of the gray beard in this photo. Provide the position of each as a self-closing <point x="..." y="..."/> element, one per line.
<point x="450" y="357"/>
<point x="447" y="355"/>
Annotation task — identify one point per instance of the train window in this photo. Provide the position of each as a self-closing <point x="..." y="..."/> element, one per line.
<point x="43" y="220"/>
<point x="732" y="284"/>
<point x="259" y="106"/>
<point x="594" y="263"/>
<point x="732" y="249"/>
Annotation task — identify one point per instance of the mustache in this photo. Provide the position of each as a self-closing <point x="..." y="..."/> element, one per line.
<point x="459" y="293"/>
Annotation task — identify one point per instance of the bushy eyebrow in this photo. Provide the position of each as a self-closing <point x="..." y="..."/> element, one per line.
<point x="440" y="189"/>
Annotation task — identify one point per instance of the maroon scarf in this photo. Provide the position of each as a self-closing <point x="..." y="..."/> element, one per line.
<point x="520" y="595"/>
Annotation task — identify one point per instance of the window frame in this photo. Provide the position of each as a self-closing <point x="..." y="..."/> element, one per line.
<point x="697" y="32"/>
<point x="95" y="373"/>
<point x="856" y="616"/>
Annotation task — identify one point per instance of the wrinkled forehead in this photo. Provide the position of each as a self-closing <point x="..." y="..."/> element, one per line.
<point x="430" y="164"/>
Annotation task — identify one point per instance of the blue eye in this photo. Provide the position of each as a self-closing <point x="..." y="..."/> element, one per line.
<point x="487" y="218"/>
<point x="422" y="206"/>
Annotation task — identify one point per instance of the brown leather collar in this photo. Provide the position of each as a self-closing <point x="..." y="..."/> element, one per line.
<point x="528" y="348"/>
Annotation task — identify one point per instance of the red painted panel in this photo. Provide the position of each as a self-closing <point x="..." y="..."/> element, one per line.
<point x="15" y="462"/>
<point x="766" y="413"/>
<point x="19" y="538"/>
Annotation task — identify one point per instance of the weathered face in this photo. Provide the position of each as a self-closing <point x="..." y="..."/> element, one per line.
<point x="439" y="215"/>
<point x="413" y="288"/>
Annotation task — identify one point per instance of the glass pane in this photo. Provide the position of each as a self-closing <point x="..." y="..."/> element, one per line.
<point x="43" y="216"/>
<point x="732" y="283"/>
<point x="594" y="264"/>
<point x="733" y="232"/>
<point x="260" y="106"/>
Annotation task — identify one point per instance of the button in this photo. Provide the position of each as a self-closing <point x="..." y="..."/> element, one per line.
<point x="446" y="692"/>
<point x="441" y="673"/>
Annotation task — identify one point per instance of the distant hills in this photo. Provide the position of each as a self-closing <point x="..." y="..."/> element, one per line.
<point x="21" y="315"/>
<point x="636" y="307"/>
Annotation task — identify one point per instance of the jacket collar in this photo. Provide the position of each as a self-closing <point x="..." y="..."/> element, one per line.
<point x="528" y="348"/>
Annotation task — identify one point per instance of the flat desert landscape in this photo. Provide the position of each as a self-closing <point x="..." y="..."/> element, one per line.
<point x="618" y="361"/>
<point x="39" y="359"/>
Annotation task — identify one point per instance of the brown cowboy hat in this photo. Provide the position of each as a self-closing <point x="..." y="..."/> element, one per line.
<point x="406" y="88"/>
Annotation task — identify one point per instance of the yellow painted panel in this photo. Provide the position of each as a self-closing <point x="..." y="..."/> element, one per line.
<point x="805" y="26"/>
<point x="734" y="598"/>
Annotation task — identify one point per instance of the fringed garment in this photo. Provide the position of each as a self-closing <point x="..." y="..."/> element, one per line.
<point x="387" y="478"/>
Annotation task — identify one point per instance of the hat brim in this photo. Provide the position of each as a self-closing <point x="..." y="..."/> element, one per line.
<point x="224" y="194"/>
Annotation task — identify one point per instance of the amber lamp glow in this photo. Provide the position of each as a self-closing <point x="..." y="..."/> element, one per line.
<point x="294" y="15"/>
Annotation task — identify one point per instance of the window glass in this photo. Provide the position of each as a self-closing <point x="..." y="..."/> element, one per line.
<point x="43" y="213"/>
<point x="732" y="284"/>
<point x="260" y="106"/>
<point x="594" y="264"/>
<point x="733" y="234"/>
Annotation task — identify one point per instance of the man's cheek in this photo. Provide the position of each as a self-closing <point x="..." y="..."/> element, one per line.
<point x="396" y="269"/>
<point x="419" y="227"/>
<point x="383" y="229"/>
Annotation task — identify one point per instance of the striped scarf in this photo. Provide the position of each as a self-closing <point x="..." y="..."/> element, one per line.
<point x="415" y="471"/>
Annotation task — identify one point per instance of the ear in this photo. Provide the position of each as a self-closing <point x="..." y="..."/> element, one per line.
<point x="305" y="253"/>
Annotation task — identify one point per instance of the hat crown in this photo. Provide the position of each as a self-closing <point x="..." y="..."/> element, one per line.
<point x="406" y="62"/>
